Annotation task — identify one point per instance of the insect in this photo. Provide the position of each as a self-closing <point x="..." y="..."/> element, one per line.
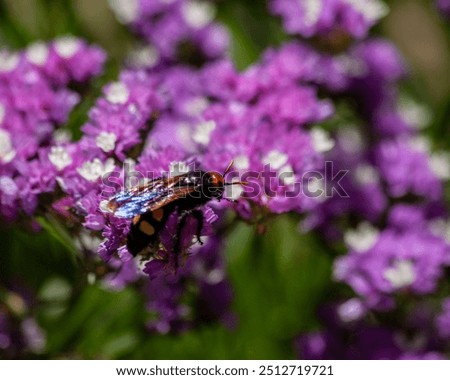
<point x="151" y="204"/>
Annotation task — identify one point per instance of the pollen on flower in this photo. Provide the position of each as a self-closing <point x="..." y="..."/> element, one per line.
<point x="7" y="151"/>
<point x="93" y="170"/>
<point x="198" y="14"/>
<point x="59" y="157"/>
<point x="362" y="238"/>
<point x="400" y="274"/>
<point x="37" y="53"/>
<point x="106" y="141"/>
<point x="203" y="132"/>
<point x="117" y="93"/>
<point x="67" y="46"/>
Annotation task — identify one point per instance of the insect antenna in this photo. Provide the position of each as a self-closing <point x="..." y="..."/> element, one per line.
<point x="236" y="183"/>
<point x="228" y="167"/>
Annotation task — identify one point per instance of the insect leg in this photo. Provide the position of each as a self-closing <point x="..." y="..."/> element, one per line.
<point x="198" y="215"/>
<point x="177" y="243"/>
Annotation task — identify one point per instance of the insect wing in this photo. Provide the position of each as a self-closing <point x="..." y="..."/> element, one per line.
<point x="149" y="197"/>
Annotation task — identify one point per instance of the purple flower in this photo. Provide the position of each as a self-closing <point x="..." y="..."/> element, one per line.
<point x="66" y="59"/>
<point x="365" y="338"/>
<point x="392" y="263"/>
<point x="34" y="101"/>
<point x="444" y="7"/>
<point x="181" y="30"/>
<point x="324" y="17"/>
<point x="202" y="277"/>
<point x="406" y="170"/>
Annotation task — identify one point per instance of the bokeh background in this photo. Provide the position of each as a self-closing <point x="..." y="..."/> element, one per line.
<point x="279" y="278"/>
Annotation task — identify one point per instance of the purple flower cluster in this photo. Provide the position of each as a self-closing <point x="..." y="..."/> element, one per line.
<point x="182" y="104"/>
<point x="393" y="220"/>
<point x="350" y="336"/>
<point x="396" y="261"/>
<point x="35" y="99"/>
<point x="178" y="30"/>
<point x="444" y="7"/>
<point x="154" y="121"/>
<point x="330" y="18"/>
<point x="202" y="278"/>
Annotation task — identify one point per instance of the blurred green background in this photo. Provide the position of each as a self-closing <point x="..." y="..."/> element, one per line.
<point x="278" y="278"/>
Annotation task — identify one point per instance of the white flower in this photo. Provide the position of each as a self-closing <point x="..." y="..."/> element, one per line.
<point x="8" y="186"/>
<point x="371" y="10"/>
<point x="93" y="170"/>
<point x="59" y="157"/>
<point x="363" y="238"/>
<point x="316" y="188"/>
<point x="203" y="132"/>
<point x="440" y="227"/>
<point x="312" y="10"/>
<point x="241" y="162"/>
<point x="287" y="174"/>
<point x="117" y="93"/>
<point x="352" y="66"/>
<point x="420" y="143"/>
<point x="350" y="139"/>
<point x="366" y="174"/>
<point x="401" y="274"/>
<point x="415" y="114"/>
<point x="7" y="152"/>
<point x="322" y="142"/>
<point x="233" y="192"/>
<point x="67" y="46"/>
<point x="126" y="11"/>
<point x="196" y="106"/>
<point x="62" y="136"/>
<point x="37" y="53"/>
<point x="106" y="141"/>
<point x="440" y="165"/>
<point x="144" y="57"/>
<point x="275" y="159"/>
<point x="103" y="206"/>
<point x="8" y="61"/>
<point x="351" y="310"/>
<point x="198" y="14"/>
